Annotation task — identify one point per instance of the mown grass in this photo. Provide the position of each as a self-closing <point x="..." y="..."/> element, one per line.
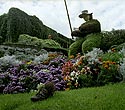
<point x="109" y="97"/>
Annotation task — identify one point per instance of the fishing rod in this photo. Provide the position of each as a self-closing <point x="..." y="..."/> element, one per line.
<point x="68" y="16"/>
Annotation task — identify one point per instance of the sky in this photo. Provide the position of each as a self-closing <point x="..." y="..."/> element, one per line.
<point x="110" y="13"/>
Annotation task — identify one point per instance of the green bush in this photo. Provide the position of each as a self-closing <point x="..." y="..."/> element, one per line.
<point x="111" y="56"/>
<point x="29" y="40"/>
<point x="109" y="74"/>
<point x="1" y="39"/>
<point x="51" y="43"/>
<point x="104" y="41"/>
<point x="119" y="47"/>
<point x="92" y="40"/>
<point x="76" y="47"/>
<point x="86" y="80"/>
<point x="1" y="54"/>
<point x="115" y="37"/>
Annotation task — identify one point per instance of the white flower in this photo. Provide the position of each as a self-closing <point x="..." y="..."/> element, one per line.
<point x="40" y="86"/>
<point x="93" y="55"/>
<point x="40" y="58"/>
<point x="72" y="78"/>
<point x="72" y="73"/>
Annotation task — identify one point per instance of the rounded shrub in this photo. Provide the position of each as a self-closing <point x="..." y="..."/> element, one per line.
<point x="86" y="80"/>
<point x="76" y="47"/>
<point x="51" y="43"/>
<point x="92" y="40"/>
<point x="29" y="40"/>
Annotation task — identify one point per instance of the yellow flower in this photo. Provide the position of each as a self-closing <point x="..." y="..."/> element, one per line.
<point x="71" y="56"/>
<point x="113" y="49"/>
<point x="67" y="89"/>
<point x="106" y="66"/>
<point x="28" y="63"/>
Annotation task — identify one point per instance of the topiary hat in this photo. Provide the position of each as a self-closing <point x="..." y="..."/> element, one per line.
<point x="84" y="13"/>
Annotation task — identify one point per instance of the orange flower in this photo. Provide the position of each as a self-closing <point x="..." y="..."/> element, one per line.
<point x="67" y="89"/>
<point x="114" y="63"/>
<point x="106" y="66"/>
<point x="66" y="78"/>
<point x="79" y="63"/>
<point x="113" y="49"/>
<point x="71" y="56"/>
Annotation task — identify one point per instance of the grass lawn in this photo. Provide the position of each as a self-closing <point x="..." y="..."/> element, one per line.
<point x="109" y="97"/>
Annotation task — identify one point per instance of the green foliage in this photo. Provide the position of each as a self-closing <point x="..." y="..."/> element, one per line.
<point x="110" y="97"/>
<point x="109" y="70"/>
<point x="119" y="47"/>
<point x="51" y="43"/>
<point x="103" y="40"/>
<point x="115" y="37"/>
<point x="17" y="22"/>
<point x="3" y="27"/>
<point x="109" y="74"/>
<point x="29" y="40"/>
<point x="92" y="40"/>
<point x="1" y="38"/>
<point x="1" y="54"/>
<point x="76" y="47"/>
<point x="111" y="56"/>
<point x="86" y="80"/>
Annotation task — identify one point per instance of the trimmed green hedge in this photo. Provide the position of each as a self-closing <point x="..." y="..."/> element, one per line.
<point x="29" y="40"/>
<point x="76" y="47"/>
<point x="92" y="40"/>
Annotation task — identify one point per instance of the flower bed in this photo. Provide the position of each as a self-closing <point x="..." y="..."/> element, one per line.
<point x="92" y="69"/>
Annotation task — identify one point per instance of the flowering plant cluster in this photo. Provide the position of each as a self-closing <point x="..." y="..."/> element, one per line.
<point x="90" y="69"/>
<point x="26" y="76"/>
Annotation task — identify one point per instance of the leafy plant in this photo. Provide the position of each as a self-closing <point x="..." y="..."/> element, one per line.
<point x="112" y="56"/>
<point x="109" y="73"/>
<point x="86" y="80"/>
<point x="92" y="41"/>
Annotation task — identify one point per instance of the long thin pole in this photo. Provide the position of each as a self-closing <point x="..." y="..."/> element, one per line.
<point x="68" y="17"/>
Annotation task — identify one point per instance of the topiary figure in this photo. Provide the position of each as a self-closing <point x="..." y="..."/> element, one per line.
<point x="90" y="31"/>
<point x="76" y="47"/>
<point x="90" y="26"/>
<point x="44" y="92"/>
<point x="92" y="40"/>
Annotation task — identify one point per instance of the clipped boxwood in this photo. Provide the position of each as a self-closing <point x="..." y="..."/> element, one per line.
<point x="51" y="43"/>
<point x="75" y="47"/>
<point x="29" y="40"/>
<point x="92" y="40"/>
